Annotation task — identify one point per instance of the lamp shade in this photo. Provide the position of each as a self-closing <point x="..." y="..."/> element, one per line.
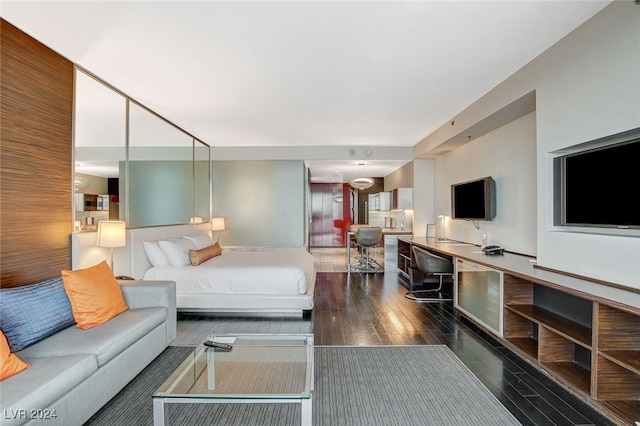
<point x="111" y="233"/>
<point x="217" y="224"/>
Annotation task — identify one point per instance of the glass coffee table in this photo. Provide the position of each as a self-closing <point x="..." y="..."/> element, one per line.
<point x="260" y="368"/>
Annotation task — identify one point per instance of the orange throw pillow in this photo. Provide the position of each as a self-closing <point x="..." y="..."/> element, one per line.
<point x="9" y="363"/>
<point x="198" y="256"/>
<point x="94" y="294"/>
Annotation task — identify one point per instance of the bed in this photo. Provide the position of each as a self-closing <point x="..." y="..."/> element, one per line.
<point x="256" y="280"/>
<point x="243" y="282"/>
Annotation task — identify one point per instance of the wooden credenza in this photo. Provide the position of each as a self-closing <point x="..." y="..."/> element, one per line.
<point x="583" y="333"/>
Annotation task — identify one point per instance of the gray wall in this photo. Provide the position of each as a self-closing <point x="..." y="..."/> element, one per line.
<point x="262" y="202"/>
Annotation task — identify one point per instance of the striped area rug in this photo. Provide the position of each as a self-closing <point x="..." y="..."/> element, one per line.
<point x="355" y="385"/>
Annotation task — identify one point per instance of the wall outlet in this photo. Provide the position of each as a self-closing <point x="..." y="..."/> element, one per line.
<point x="484" y="240"/>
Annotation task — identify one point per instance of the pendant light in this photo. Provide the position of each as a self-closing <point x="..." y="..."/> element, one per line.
<point x="361" y="181"/>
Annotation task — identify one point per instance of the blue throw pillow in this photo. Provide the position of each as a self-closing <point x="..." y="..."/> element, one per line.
<point x="34" y="312"/>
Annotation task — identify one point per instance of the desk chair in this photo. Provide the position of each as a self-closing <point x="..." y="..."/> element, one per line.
<point x="367" y="237"/>
<point x="432" y="265"/>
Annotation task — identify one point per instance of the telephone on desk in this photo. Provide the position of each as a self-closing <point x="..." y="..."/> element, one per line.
<point x="493" y="250"/>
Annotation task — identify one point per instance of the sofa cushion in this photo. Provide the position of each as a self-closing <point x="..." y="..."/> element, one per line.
<point x="33" y="312"/>
<point x="10" y="365"/>
<point x="106" y="341"/>
<point x="46" y="381"/>
<point x="94" y="294"/>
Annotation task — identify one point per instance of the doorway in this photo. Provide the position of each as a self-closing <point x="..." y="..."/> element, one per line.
<point x="332" y="212"/>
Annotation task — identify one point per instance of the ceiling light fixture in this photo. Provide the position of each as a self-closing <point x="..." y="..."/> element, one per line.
<point x="361" y="181"/>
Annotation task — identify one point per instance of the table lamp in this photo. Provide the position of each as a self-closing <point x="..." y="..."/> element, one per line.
<point x="111" y="233"/>
<point x="217" y="224"/>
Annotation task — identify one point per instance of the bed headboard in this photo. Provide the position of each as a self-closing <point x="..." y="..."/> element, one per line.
<point x="130" y="260"/>
<point x="139" y="261"/>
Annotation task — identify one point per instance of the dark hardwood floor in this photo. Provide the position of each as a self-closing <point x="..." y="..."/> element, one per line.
<point x="370" y="309"/>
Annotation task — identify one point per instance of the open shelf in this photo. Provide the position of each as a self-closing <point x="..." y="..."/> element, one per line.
<point x="569" y="329"/>
<point x="517" y="291"/>
<point x="559" y="344"/>
<point x="629" y="411"/>
<point x="528" y="345"/>
<point x="571" y="372"/>
<point x="522" y="333"/>
<point x="618" y="362"/>
<point x="562" y="357"/>
<point x="626" y="359"/>
<point x="404" y="257"/>
<point x="618" y="388"/>
<point x="619" y="337"/>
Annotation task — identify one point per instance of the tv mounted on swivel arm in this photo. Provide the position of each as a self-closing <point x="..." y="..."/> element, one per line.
<point x="474" y="200"/>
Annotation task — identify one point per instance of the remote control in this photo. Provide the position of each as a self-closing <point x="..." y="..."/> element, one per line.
<point x="222" y="346"/>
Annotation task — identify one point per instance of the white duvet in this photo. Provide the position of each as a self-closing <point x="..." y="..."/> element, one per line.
<point x="242" y="272"/>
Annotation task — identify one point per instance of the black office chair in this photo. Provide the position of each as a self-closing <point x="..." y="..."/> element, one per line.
<point x="432" y="265"/>
<point x="367" y="237"/>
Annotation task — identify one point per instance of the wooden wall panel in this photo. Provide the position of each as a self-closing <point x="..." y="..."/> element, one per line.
<point x="36" y="160"/>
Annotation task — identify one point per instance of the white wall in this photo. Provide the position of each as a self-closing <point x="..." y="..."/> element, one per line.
<point x="423" y="196"/>
<point x="586" y="87"/>
<point x="512" y="165"/>
<point x="594" y="94"/>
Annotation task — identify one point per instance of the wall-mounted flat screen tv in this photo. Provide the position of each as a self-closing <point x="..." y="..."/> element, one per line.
<point x="599" y="187"/>
<point x="474" y="200"/>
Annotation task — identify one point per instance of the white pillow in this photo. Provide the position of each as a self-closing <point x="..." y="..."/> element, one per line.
<point x="200" y="241"/>
<point x="177" y="251"/>
<point x="154" y="253"/>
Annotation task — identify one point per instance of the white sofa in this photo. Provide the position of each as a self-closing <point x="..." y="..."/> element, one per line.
<point x="75" y="372"/>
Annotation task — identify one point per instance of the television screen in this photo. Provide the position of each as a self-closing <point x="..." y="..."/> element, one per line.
<point x="601" y="186"/>
<point x="473" y="200"/>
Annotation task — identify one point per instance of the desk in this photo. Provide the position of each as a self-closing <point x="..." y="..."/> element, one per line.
<point x="583" y="333"/>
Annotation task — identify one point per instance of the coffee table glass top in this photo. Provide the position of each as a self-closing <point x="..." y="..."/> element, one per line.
<point x="258" y="367"/>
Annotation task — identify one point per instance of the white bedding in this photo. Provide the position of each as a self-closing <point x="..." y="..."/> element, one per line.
<point x="243" y="272"/>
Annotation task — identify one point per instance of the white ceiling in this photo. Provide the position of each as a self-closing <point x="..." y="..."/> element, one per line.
<point x="362" y="74"/>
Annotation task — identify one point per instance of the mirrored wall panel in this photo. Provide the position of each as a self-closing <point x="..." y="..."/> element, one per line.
<point x="202" y="181"/>
<point x="100" y="145"/>
<point x="161" y="178"/>
<point x="136" y="167"/>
